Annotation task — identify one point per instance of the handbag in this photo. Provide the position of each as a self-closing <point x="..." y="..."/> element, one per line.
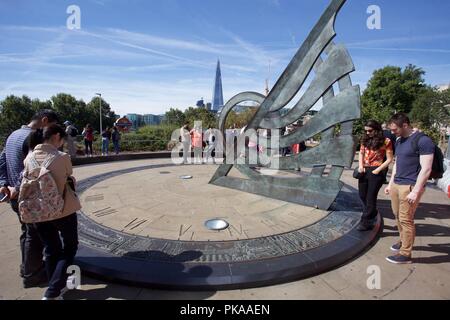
<point x="358" y="175"/>
<point x="71" y="183"/>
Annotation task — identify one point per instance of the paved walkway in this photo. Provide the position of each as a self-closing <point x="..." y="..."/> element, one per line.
<point x="427" y="278"/>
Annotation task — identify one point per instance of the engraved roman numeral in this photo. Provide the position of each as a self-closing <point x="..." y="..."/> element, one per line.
<point x="182" y="233"/>
<point x="272" y="225"/>
<point x="240" y="232"/>
<point x="105" y="212"/>
<point x="135" y="223"/>
<point x="93" y="198"/>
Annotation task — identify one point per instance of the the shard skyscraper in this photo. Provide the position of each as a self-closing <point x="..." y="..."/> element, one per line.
<point x="217" y="102"/>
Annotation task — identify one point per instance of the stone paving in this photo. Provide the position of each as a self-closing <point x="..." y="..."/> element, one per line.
<point x="427" y="278"/>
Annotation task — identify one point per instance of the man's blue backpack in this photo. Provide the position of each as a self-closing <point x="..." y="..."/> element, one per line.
<point x="437" y="171"/>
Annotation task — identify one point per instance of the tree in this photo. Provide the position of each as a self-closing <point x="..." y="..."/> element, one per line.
<point x="391" y="90"/>
<point x="66" y="106"/>
<point x="15" y="112"/>
<point x="241" y="119"/>
<point x="175" y="117"/>
<point x="207" y="118"/>
<point x="108" y="116"/>
<point x="442" y="113"/>
<point x="430" y="111"/>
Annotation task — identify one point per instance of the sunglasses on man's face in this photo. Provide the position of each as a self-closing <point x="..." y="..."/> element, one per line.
<point x="369" y="131"/>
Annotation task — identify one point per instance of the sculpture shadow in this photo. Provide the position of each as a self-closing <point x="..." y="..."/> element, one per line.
<point x="138" y="273"/>
<point x="424" y="211"/>
<point x="443" y="249"/>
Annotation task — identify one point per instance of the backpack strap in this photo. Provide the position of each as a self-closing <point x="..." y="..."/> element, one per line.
<point x="49" y="160"/>
<point x="33" y="162"/>
<point x="415" y="142"/>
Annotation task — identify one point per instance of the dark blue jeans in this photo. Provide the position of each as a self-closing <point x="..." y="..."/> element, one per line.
<point x="58" y="256"/>
<point x="31" y="247"/>
<point x="116" y="146"/>
<point x="105" y="146"/>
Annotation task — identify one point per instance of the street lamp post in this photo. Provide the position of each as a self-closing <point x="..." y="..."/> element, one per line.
<point x="100" y="110"/>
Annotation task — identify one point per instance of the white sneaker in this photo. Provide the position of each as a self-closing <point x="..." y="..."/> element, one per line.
<point x="57" y="298"/>
<point x="61" y="294"/>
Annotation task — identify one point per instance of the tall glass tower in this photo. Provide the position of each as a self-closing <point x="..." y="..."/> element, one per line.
<point x="217" y="102"/>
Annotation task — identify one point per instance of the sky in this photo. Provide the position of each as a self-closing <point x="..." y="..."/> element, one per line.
<point x="146" y="56"/>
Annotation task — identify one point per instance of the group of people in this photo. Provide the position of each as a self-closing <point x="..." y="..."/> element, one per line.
<point x="207" y="142"/>
<point x="48" y="247"/>
<point x="296" y="148"/>
<point x="107" y="135"/>
<point x="201" y="142"/>
<point x="413" y="153"/>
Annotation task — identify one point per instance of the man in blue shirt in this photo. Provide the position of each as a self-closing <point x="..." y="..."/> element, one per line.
<point x="414" y="160"/>
<point x="11" y="166"/>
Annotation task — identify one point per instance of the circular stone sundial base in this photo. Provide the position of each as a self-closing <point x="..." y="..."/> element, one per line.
<point x="145" y="226"/>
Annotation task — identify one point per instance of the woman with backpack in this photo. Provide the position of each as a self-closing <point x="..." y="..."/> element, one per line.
<point x="375" y="148"/>
<point x="48" y="202"/>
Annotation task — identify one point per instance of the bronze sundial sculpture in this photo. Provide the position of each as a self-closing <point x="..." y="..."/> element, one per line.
<point x="144" y="240"/>
<point x="316" y="190"/>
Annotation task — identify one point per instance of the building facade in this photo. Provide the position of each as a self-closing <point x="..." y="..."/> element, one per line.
<point x="151" y="120"/>
<point x="139" y="120"/>
<point x="136" y="120"/>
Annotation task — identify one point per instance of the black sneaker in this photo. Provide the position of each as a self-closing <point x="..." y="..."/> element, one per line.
<point x="399" y="259"/>
<point x="396" y="247"/>
<point x="38" y="281"/>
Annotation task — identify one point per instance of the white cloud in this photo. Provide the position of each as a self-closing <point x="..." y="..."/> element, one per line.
<point x="427" y="50"/>
<point x="144" y="73"/>
<point x="399" y="40"/>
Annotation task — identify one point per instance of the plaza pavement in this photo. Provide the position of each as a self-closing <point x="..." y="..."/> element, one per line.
<point x="427" y="278"/>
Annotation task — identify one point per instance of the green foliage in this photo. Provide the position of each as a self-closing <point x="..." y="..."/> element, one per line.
<point x="389" y="91"/>
<point x="133" y="142"/>
<point x="146" y="139"/>
<point x="429" y="109"/>
<point x="162" y="133"/>
<point x="207" y="118"/>
<point x="433" y="133"/>
<point x="240" y="120"/>
<point x="175" y="117"/>
<point x="17" y="111"/>
<point x="149" y="138"/>
<point x="92" y="114"/>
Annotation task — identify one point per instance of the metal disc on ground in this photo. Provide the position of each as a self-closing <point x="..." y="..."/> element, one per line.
<point x="216" y="224"/>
